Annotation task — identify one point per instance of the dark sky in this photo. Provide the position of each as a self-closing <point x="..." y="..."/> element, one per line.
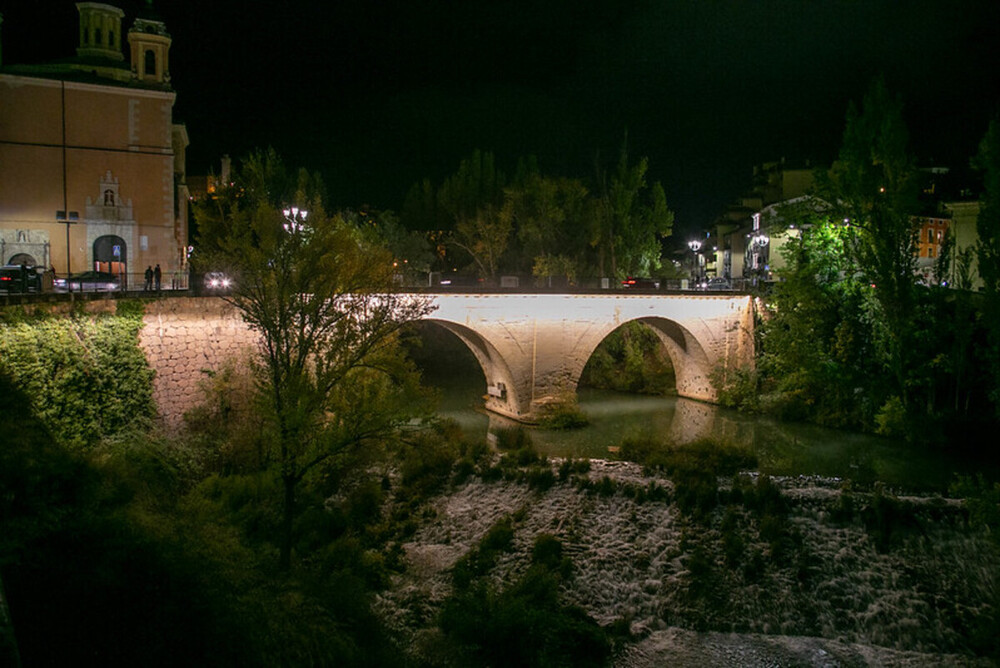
<point x="378" y="94"/>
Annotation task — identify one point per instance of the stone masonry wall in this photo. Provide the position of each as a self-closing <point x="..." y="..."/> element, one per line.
<point x="182" y="338"/>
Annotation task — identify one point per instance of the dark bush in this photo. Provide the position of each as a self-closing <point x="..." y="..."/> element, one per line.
<point x="525" y="624"/>
<point x="512" y="438"/>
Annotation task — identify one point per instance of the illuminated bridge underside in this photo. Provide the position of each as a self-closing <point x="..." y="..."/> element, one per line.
<point x="533" y="348"/>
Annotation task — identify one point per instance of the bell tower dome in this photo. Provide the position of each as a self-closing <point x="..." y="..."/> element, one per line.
<point x="150" y="49"/>
<point x="100" y="31"/>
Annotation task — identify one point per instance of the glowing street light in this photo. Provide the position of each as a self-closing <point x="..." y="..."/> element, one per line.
<point x="295" y="220"/>
<point x="695" y="246"/>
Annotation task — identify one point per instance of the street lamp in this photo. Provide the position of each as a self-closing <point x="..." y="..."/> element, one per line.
<point x="295" y="220"/>
<point x="695" y="246"/>
<point x="758" y="242"/>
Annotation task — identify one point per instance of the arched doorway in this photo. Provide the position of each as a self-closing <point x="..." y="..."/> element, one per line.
<point x="23" y="258"/>
<point x="110" y="255"/>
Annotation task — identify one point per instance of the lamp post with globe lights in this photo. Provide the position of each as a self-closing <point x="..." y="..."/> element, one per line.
<point x="295" y="219"/>
<point x="695" y="246"/>
<point x="758" y="244"/>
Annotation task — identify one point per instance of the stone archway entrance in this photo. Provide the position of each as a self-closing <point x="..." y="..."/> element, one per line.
<point x="110" y="255"/>
<point x="23" y="258"/>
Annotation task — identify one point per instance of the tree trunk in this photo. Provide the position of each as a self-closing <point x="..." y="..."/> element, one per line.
<point x="285" y="560"/>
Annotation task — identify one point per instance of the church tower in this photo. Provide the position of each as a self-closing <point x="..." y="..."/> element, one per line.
<point x="100" y="31"/>
<point x="150" y="45"/>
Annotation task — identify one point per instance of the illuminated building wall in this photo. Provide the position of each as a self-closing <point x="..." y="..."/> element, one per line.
<point x="91" y="140"/>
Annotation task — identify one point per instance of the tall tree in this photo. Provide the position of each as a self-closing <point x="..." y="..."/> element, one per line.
<point x="549" y="214"/>
<point x="633" y="217"/>
<point x="873" y="186"/>
<point x="476" y="185"/>
<point x="320" y="297"/>
<point x="484" y="235"/>
<point x="988" y="247"/>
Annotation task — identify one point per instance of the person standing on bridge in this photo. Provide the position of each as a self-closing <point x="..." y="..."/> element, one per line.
<point x="148" y="284"/>
<point x="157" y="275"/>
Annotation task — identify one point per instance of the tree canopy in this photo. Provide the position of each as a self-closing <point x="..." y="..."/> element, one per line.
<point x="320" y="295"/>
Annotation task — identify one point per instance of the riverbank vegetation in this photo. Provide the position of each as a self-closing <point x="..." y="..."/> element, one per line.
<point x="849" y="338"/>
<point x="161" y="551"/>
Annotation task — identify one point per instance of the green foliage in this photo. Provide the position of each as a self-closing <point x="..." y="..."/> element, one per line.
<point x="737" y="388"/>
<point x="320" y="294"/>
<point x="480" y="560"/>
<point x="632" y="218"/>
<point x="988" y="250"/>
<point x="512" y="439"/>
<point x="888" y="519"/>
<point x="524" y="624"/>
<point x="85" y="376"/>
<point x="630" y="359"/>
<point x="548" y="214"/>
<point x="563" y="414"/>
<point x="982" y="500"/>
<point x="891" y="418"/>
<point x="694" y="468"/>
<point x="874" y="187"/>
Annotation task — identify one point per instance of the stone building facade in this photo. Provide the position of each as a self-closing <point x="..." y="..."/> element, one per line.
<point x="92" y="173"/>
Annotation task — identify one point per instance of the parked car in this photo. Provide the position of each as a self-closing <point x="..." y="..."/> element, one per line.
<point x="89" y="281"/>
<point x="15" y="278"/>
<point x="641" y="283"/>
<point x="717" y="283"/>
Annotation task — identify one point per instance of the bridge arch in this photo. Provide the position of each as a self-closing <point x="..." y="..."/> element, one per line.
<point x="692" y="366"/>
<point x="537" y="345"/>
<point x="504" y="394"/>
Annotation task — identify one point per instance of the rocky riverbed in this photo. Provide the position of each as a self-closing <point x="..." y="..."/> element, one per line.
<point x="772" y="572"/>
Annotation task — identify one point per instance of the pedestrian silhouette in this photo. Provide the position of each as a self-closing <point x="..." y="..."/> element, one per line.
<point x="148" y="285"/>
<point x="156" y="277"/>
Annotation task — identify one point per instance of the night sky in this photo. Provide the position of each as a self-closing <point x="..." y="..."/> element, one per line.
<point x="377" y="95"/>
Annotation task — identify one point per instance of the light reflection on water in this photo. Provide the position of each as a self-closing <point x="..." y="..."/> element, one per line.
<point x="781" y="448"/>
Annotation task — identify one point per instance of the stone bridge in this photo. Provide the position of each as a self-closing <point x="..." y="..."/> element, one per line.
<point x="532" y="347"/>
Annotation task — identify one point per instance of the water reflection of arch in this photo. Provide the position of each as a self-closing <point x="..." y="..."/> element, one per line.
<point x="495" y="368"/>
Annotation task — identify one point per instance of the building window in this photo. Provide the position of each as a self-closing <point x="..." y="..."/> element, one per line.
<point x="97" y="36"/>
<point x="143" y="242"/>
<point x="150" y="63"/>
<point x="109" y="198"/>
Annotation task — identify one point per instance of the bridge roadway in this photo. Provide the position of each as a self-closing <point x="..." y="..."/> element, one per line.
<point x="533" y="347"/>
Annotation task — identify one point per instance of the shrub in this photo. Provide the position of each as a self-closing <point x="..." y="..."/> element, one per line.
<point x="887" y="519"/>
<point x="982" y="501"/>
<point x="524" y="624"/>
<point x="563" y="414"/>
<point x="571" y="466"/>
<point x="512" y="438"/>
<point x="891" y="418"/>
<point x="84" y="377"/>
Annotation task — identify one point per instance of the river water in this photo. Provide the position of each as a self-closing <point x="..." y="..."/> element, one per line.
<point x="790" y="449"/>
<point x="780" y="448"/>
